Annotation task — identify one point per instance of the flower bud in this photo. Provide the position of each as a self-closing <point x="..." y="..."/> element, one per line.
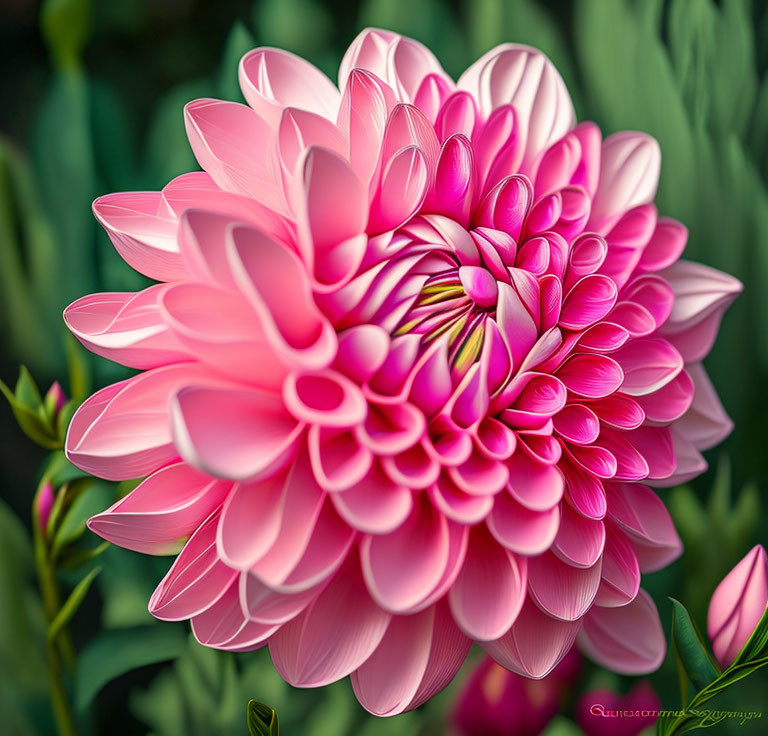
<point x="43" y="504"/>
<point x="737" y="605"/>
<point x="497" y="702"/>
<point x="605" y="713"/>
<point x="55" y="398"/>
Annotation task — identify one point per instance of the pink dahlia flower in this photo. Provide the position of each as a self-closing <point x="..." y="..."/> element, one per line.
<point x="419" y="349"/>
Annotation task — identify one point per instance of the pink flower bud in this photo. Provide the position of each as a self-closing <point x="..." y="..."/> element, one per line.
<point x="56" y="397"/>
<point x="497" y="702"/>
<point x="43" y="504"/>
<point x="605" y="713"/>
<point x="737" y="605"/>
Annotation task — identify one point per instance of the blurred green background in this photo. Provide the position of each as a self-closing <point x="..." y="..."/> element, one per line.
<point x="92" y="96"/>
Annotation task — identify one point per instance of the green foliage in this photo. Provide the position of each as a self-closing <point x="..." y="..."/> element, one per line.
<point x="690" y="648"/>
<point x="36" y="419"/>
<point x="114" y="652"/>
<point x="262" y="720"/>
<point x="751" y="658"/>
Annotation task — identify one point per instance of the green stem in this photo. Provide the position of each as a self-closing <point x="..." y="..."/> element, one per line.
<point x="61" y="647"/>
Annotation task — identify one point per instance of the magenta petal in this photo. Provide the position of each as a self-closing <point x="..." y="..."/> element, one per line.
<point x="592" y="376"/>
<point x="161" y="511"/>
<point x="561" y="590"/>
<point x="628" y="640"/>
<point x="401" y="191"/>
<point x="648" y="365"/>
<point x="403" y="567"/>
<point x="333" y="636"/>
<point x="535" y="644"/>
<point x="490" y="589"/>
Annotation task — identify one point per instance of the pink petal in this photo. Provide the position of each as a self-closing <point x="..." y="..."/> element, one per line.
<point x="642" y="516"/>
<point x="332" y="210"/>
<point x="413" y="662"/>
<point x="233" y="433"/>
<point x="272" y="79"/>
<point x="263" y="605"/>
<point x="368" y="51"/>
<point x="143" y="232"/>
<point x="300" y="129"/>
<point x="220" y="329"/>
<point x="702" y="295"/>
<point x="629" y="175"/>
<point x="457" y="505"/>
<point x="561" y="590"/>
<point x="275" y="283"/>
<point x="487" y="596"/>
<point x="592" y="376"/>
<point x="620" y="573"/>
<point x="671" y="401"/>
<point x="403" y="567"/>
<point x="375" y="505"/>
<point x="339" y="461"/>
<point x="665" y="246"/>
<point x="250" y="521"/>
<point x="705" y="424"/>
<point x="520" y="529"/>
<point x="628" y="640"/>
<point x="123" y="431"/>
<point x="408" y="62"/>
<point x="524" y="77"/>
<point x="536" y="486"/>
<point x="583" y="491"/>
<point x="325" y="398"/>
<point x="516" y="324"/>
<point x="649" y="364"/>
<point x="535" y="644"/>
<point x="196" y="580"/>
<point x="333" y="636"/>
<point x="590" y="299"/>
<point x="580" y="540"/>
<point x="229" y="141"/>
<point x="125" y="327"/>
<point x="161" y="511"/>
<point x="401" y="191"/>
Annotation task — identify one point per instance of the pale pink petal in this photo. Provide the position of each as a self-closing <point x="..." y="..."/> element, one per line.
<point x="272" y="79"/>
<point x="162" y="511"/>
<point x="125" y="327"/>
<point x="262" y="604"/>
<point x="628" y="640"/>
<point x="705" y="424"/>
<point x="702" y="295"/>
<point x="523" y="77"/>
<point x="403" y="567"/>
<point x="629" y="175"/>
<point x="143" y="232"/>
<point x="369" y="52"/>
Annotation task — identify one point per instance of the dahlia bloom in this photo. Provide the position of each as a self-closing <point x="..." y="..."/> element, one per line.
<point x="418" y="351"/>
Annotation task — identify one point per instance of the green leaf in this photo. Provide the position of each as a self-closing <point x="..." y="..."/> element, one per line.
<point x="66" y="25"/>
<point x="239" y="42"/>
<point x="262" y="720"/>
<point x="690" y="648"/>
<point x="30" y="421"/>
<point x="87" y="497"/>
<point x="68" y="610"/>
<point x="111" y="654"/>
<point x="27" y="392"/>
<point x="71" y="559"/>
